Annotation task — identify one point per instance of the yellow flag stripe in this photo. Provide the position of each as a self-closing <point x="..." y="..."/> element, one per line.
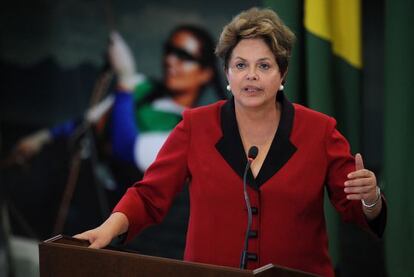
<point x="338" y="21"/>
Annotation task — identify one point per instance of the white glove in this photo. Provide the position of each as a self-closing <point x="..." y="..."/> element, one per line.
<point x="122" y="61"/>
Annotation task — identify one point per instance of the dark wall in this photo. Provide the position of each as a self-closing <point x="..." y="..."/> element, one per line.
<point x="52" y="50"/>
<point x="51" y="54"/>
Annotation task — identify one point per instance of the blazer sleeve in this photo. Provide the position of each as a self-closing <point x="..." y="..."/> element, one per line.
<point x="148" y="200"/>
<point x="340" y="163"/>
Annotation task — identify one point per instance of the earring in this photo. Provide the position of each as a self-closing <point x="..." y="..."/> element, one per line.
<point x="282" y="87"/>
<point x="228" y="88"/>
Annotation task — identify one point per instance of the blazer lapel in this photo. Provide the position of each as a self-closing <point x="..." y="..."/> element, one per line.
<point x="281" y="148"/>
<point x="231" y="148"/>
<point x="230" y="145"/>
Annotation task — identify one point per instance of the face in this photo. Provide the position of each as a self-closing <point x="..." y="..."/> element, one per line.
<point x="253" y="74"/>
<point x="182" y="70"/>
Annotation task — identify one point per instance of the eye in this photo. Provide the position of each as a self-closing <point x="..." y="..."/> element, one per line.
<point x="264" y="66"/>
<point x="240" y="65"/>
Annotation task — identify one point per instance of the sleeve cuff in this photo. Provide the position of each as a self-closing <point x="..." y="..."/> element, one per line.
<point x="377" y="225"/>
<point x="133" y="207"/>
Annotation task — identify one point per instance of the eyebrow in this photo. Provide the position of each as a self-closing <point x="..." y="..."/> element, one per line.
<point x="259" y="60"/>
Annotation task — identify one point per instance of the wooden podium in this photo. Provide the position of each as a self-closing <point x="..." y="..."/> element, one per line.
<point x="64" y="256"/>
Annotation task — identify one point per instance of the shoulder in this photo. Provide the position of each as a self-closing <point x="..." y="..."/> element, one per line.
<point x="203" y="111"/>
<point x="307" y="114"/>
<point x="310" y="120"/>
<point x="204" y="119"/>
<point x="148" y="89"/>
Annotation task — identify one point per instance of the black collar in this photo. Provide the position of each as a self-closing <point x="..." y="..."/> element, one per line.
<point x="231" y="148"/>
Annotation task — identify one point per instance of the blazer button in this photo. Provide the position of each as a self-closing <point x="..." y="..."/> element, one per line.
<point x="253" y="234"/>
<point x="252" y="257"/>
<point x="255" y="210"/>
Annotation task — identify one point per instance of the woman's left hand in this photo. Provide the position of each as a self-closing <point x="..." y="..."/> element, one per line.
<point x="362" y="185"/>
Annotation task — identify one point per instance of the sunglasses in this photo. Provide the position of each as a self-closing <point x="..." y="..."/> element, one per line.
<point x="181" y="54"/>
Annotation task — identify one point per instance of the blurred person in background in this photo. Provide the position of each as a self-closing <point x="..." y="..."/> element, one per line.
<point x="132" y="123"/>
<point x="189" y="70"/>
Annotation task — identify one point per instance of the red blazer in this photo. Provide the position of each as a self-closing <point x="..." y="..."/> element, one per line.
<point x="306" y="155"/>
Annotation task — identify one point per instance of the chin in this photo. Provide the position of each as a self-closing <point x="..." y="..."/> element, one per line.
<point x="252" y="102"/>
<point x="171" y="84"/>
<point x="175" y="86"/>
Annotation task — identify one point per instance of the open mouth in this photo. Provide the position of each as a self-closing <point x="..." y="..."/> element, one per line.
<point x="252" y="89"/>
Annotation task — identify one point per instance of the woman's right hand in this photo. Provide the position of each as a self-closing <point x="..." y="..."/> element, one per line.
<point x="101" y="236"/>
<point x="98" y="237"/>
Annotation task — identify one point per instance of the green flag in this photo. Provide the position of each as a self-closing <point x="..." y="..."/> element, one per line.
<point x="399" y="137"/>
<point x="334" y="62"/>
<point x="333" y="51"/>
<point x="325" y="70"/>
<point x="290" y="12"/>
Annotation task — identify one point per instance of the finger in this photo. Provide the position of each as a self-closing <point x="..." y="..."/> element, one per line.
<point x="95" y="245"/>
<point x="358" y="196"/>
<point x="82" y="236"/>
<point x="360" y="182"/>
<point x="98" y="244"/>
<point x="358" y="190"/>
<point x="359" y="163"/>
<point x="363" y="173"/>
<point x="355" y="196"/>
<point x="88" y="236"/>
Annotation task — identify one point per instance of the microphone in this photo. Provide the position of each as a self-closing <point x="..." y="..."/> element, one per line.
<point x="253" y="151"/>
<point x="252" y="154"/>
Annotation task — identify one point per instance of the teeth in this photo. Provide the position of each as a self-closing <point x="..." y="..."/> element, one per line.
<point x="251" y="89"/>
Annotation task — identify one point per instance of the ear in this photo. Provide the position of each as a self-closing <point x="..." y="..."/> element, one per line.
<point x="284" y="75"/>
<point x="227" y="74"/>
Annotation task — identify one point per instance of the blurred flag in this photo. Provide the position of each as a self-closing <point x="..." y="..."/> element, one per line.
<point x="325" y="70"/>
<point x="399" y="137"/>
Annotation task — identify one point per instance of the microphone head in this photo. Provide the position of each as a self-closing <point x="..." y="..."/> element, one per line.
<point x="253" y="151"/>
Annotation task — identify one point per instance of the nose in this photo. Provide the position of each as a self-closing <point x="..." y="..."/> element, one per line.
<point x="252" y="75"/>
<point x="171" y="59"/>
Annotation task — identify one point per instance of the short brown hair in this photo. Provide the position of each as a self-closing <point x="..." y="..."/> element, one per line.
<point x="257" y="23"/>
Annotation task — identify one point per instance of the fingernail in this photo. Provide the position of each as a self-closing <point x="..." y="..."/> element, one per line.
<point x="346" y="183"/>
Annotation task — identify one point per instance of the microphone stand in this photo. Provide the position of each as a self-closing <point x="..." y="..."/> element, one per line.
<point x="253" y="151"/>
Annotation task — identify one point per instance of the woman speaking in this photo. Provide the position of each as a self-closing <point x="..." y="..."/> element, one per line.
<point x="300" y="152"/>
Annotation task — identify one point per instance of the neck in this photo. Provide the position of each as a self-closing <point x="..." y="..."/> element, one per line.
<point x="258" y="126"/>
<point x="258" y="116"/>
<point x="186" y="99"/>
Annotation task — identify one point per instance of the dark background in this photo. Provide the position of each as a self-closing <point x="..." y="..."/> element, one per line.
<point x="51" y="53"/>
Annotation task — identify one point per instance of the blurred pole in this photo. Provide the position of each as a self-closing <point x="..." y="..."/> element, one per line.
<point x="6" y="255"/>
<point x="83" y="141"/>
